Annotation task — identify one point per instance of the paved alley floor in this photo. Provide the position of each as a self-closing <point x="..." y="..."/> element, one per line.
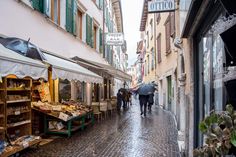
<point x="124" y="135"/>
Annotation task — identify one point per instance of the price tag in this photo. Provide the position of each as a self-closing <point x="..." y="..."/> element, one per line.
<point x="25" y="144"/>
<point x="17" y="112"/>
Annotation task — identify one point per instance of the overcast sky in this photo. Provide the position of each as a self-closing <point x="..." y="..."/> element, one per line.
<point x="131" y="10"/>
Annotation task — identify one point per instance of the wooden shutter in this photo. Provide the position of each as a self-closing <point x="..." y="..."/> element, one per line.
<point x="159" y="48"/>
<point x="172" y="23"/>
<point x="100" y="40"/>
<point x="87" y="29"/>
<point x="69" y="16"/>
<point x="38" y="5"/>
<point x="91" y="33"/>
<point x="167" y="30"/>
<point x="74" y="15"/>
<point x="100" y="4"/>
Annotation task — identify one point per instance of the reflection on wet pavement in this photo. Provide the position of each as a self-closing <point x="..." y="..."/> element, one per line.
<point x="125" y="135"/>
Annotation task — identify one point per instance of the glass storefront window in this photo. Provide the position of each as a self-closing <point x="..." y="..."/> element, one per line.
<point x="211" y="47"/>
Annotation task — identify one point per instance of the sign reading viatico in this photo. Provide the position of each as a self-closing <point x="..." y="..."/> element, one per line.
<point x="115" y="39"/>
<point x="155" y="6"/>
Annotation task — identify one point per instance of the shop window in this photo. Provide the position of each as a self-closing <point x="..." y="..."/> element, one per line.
<point x="64" y="90"/>
<point x="168" y="33"/>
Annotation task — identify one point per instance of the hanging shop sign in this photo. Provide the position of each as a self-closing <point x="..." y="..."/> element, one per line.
<point x="155" y="6"/>
<point x="115" y="39"/>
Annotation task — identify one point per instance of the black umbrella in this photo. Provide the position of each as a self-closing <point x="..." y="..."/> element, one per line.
<point x="23" y="47"/>
<point x="146" y="89"/>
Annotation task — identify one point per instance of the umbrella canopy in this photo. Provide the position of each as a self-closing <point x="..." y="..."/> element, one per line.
<point x="23" y="47"/>
<point x="146" y="89"/>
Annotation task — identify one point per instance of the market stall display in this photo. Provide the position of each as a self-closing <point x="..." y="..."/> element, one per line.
<point x="65" y="117"/>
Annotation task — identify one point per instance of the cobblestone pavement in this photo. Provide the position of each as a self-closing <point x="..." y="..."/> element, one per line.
<point x="124" y="135"/>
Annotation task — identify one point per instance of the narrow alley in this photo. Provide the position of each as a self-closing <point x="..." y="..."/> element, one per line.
<point x="125" y="135"/>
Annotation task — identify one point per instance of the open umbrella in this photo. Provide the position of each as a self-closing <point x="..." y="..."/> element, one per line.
<point x="146" y="89"/>
<point x="23" y="47"/>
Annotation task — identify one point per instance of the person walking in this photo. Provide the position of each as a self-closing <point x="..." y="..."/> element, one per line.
<point x="119" y="99"/>
<point x="143" y="99"/>
<point x="150" y="101"/>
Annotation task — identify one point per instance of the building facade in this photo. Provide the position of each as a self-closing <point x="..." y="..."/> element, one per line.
<point x="68" y="28"/>
<point x="160" y="61"/>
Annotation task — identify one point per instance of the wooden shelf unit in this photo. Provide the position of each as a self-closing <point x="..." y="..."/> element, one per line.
<point x="2" y="110"/>
<point x="15" y="109"/>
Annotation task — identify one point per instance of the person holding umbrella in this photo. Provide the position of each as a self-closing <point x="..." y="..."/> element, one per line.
<point x="144" y="91"/>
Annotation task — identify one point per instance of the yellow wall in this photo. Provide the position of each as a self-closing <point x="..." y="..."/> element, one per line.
<point x="151" y="76"/>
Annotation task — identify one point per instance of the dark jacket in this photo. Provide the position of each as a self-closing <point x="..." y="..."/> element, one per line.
<point x="150" y="98"/>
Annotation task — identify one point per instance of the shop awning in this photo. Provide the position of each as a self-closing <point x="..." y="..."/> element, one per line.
<point x="21" y="66"/>
<point x="67" y="69"/>
<point x="107" y="68"/>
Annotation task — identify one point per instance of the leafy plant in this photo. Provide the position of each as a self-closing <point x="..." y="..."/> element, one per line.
<point x="220" y="132"/>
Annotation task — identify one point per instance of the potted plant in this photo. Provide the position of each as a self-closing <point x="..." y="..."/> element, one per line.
<point x="220" y="134"/>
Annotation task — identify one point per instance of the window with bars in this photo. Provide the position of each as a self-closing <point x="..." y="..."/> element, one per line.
<point x="159" y="48"/>
<point x="168" y="33"/>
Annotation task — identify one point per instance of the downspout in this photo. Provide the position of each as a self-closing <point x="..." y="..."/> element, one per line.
<point x="155" y="47"/>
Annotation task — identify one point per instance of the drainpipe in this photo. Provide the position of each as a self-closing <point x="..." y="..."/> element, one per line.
<point x="182" y="82"/>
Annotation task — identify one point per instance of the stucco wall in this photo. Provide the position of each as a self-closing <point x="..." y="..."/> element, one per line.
<point x="25" y="23"/>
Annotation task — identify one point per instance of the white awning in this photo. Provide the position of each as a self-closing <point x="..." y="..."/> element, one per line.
<point x="67" y="69"/>
<point x="21" y="66"/>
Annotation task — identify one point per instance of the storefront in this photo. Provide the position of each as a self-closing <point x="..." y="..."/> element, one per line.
<point x="30" y="91"/>
<point x="214" y="58"/>
<point x="114" y="79"/>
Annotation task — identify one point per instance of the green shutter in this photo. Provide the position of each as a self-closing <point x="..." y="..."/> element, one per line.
<point x="69" y="16"/>
<point x="101" y="4"/>
<point x="38" y="5"/>
<point x="87" y="29"/>
<point x="100" y="40"/>
<point x="74" y="14"/>
<point x="91" y="32"/>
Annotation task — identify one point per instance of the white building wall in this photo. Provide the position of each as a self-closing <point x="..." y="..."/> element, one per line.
<point x="24" y="22"/>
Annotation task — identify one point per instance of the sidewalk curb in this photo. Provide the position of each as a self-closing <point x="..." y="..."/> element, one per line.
<point x="180" y="135"/>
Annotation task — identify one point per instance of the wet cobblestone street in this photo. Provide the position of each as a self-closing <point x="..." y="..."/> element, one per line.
<point x="124" y="135"/>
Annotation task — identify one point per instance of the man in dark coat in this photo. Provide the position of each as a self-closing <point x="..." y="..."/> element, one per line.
<point x="119" y="99"/>
<point x="143" y="99"/>
<point x="150" y="101"/>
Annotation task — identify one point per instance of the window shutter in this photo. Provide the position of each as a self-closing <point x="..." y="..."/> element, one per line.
<point x="38" y="5"/>
<point x="172" y="23"/>
<point x="91" y="32"/>
<point x="74" y="15"/>
<point x="69" y="16"/>
<point x="87" y="29"/>
<point x="167" y="30"/>
<point x="100" y="40"/>
<point x="101" y="4"/>
<point x="159" y="48"/>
